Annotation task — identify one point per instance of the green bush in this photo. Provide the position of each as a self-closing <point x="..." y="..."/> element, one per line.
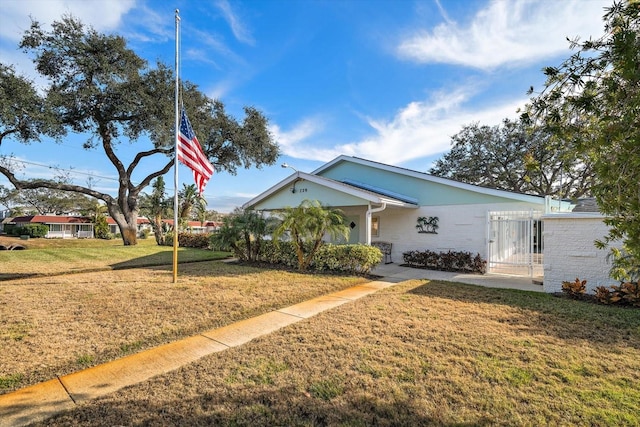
<point x="351" y="259"/>
<point x="31" y="230"/>
<point x="190" y="240"/>
<point x="144" y="233"/>
<point x="459" y="261"/>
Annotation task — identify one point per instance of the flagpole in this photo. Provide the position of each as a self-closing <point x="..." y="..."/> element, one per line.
<point x="175" y="155"/>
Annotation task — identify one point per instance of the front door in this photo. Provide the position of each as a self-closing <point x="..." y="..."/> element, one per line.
<point x="353" y="222"/>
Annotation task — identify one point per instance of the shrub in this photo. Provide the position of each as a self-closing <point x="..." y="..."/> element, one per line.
<point x="627" y="293"/>
<point x="576" y="288"/>
<point x="31" y="230"/>
<point x="352" y="259"/>
<point x="189" y="240"/>
<point x="446" y="261"/>
<point x="144" y="233"/>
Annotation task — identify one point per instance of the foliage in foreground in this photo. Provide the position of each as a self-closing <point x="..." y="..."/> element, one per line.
<point x="591" y="100"/>
<point x="627" y="293"/>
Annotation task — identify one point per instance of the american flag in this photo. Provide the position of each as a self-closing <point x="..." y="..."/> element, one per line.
<point x="190" y="154"/>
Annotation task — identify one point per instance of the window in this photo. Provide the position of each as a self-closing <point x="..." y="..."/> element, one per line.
<point x="375" y="226"/>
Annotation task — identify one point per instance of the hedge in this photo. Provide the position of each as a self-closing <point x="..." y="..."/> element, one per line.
<point x="351" y="259"/>
<point x="31" y="230"/>
<point x="458" y="261"/>
<point x="189" y="240"/>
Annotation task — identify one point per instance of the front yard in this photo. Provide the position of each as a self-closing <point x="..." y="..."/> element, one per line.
<point x="420" y="353"/>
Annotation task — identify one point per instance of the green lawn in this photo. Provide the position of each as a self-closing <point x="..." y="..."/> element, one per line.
<point x="56" y="256"/>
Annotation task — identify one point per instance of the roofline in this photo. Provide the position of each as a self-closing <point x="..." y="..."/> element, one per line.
<point x="329" y="183"/>
<point x="431" y="178"/>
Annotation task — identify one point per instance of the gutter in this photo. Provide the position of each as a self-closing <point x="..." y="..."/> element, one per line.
<point x="368" y="219"/>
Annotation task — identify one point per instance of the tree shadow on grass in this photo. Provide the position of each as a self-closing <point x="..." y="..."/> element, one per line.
<point x="549" y="314"/>
<point x="281" y="407"/>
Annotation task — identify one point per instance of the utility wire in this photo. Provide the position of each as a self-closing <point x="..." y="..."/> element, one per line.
<point x="74" y="171"/>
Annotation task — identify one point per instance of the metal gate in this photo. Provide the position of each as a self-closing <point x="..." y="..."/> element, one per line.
<point x="515" y="244"/>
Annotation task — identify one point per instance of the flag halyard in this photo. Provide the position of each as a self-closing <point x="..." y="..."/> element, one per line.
<point x="191" y="155"/>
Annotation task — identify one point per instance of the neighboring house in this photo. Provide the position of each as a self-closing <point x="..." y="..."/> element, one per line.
<point x="198" y="227"/>
<point x="142" y="224"/>
<point x="416" y="211"/>
<point x="60" y="226"/>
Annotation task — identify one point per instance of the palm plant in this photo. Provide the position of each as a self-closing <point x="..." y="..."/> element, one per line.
<point x="306" y="225"/>
<point x="190" y="199"/>
<point x="247" y="226"/>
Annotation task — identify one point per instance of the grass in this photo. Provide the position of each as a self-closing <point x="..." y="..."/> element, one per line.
<point x="45" y="257"/>
<point x="54" y="324"/>
<point x="420" y="353"/>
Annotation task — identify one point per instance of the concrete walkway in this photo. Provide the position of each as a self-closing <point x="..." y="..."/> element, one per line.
<point x="395" y="272"/>
<point x="41" y="401"/>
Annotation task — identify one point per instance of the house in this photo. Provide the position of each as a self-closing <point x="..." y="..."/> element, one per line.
<point x="142" y="224"/>
<point x="413" y="210"/>
<point x="60" y="226"/>
<point x="195" y="227"/>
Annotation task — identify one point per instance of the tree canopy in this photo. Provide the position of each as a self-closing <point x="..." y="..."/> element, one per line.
<point x="515" y="157"/>
<point x="596" y="92"/>
<point x="100" y="88"/>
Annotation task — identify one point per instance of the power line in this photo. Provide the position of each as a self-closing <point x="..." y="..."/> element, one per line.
<point x="75" y="171"/>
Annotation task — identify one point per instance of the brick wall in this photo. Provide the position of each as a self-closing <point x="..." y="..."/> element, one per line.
<point x="569" y="251"/>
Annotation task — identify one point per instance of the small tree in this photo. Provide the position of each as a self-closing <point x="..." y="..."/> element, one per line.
<point x="306" y="225"/>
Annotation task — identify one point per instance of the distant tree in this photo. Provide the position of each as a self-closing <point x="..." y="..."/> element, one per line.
<point x="52" y="201"/>
<point x="100" y="88"/>
<point x="596" y="92"/>
<point x="516" y="157"/>
<point x="189" y="201"/>
<point x="8" y="197"/>
<point x="155" y="208"/>
<point x="306" y="225"/>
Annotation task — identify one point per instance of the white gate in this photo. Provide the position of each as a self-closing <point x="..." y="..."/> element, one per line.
<point x="515" y="243"/>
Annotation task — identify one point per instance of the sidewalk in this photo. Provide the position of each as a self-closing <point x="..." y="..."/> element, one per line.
<point x="41" y="401"/>
<point x="395" y="272"/>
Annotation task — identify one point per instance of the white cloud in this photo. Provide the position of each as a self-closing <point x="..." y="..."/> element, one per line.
<point x="102" y="15"/>
<point x="292" y="142"/>
<point x="507" y="33"/>
<point x="240" y="31"/>
<point x="420" y="129"/>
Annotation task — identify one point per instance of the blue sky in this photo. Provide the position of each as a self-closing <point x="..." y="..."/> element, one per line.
<point x="385" y="80"/>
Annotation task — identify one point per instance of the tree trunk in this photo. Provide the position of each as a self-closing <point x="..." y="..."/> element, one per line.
<point x="128" y="225"/>
<point x="157" y="230"/>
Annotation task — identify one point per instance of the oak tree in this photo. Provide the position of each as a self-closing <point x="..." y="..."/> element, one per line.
<point x="100" y="88"/>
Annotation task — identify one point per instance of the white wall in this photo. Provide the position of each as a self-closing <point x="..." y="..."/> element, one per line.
<point x="570" y="253"/>
<point x="460" y="227"/>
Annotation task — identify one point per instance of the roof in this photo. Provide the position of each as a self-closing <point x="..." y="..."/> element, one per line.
<point x="431" y="178"/>
<point x="369" y="194"/>
<point x="374" y="193"/>
<point x="52" y="219"/>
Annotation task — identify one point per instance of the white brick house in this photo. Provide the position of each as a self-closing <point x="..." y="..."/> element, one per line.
<point x="385" y="203"/>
